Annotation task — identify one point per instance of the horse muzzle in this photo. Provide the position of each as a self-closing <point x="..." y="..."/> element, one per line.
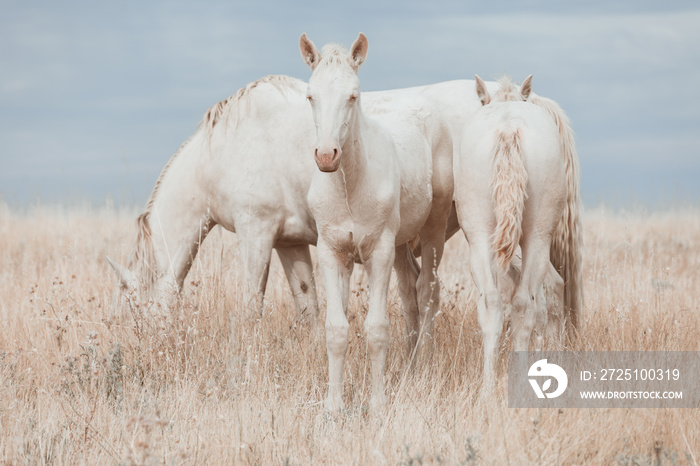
<point x="327" y="160"/>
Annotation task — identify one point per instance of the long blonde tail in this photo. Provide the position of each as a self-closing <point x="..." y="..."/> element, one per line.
<point x="566" y="250"/>
<point x="509" y="191"/>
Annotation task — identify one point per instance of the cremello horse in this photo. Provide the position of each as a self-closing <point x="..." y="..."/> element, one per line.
<point x="381" y="183"/>
<point x="242" y="169"/>
<point x="246" y="168"/>
<point x="510" y="191"/>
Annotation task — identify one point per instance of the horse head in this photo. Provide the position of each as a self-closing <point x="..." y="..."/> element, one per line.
<point x="334" y="95"/>
<point x="128" y="291"/>
<point x="140" y="285"/>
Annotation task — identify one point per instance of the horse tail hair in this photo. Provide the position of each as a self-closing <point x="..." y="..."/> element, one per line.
<point x="143" y="259"/>
<point x="509" y="191"/>
<point x="567" y="243"/>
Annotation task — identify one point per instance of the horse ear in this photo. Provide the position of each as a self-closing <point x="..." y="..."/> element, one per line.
<point x="126" y="277"/>
<point x="309" y="52"/>
<point x="526" y="88"/>
<point x="481" y="91"/>
<point x="358" y="51"/>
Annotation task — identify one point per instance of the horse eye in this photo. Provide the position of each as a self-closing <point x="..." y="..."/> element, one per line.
<point x="309" y="98"/>
<point x="352" y="98"/>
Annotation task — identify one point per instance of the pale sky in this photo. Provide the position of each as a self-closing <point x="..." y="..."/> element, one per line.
<point x="95" y="96"/>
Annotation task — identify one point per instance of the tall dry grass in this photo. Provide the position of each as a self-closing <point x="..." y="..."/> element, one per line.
<point x="77" y="390"/>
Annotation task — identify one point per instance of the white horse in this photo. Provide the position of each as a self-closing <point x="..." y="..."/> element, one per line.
<point x="380" y="184"/>
<point x="511" y="190"/>
<point x="246" y="168"/>
<point x="242" y="169"/>
<point x="457" y="101"/>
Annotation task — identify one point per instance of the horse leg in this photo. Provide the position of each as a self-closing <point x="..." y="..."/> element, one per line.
<point x="540" y="319"/>
<point x="377" y="322"/>
<point x="407" y="270"/>
<point x="525" y="301"/>
<point x="450" y="230"/>
<point x="336" y="271"/>
<point x="489" y="307"/>
<point x="549" y="310"/>
<point x="452" y="222"/>
<point x="554" y="295"/>
<point x="255" y="246"/>
<point x="296" y="261"/>
<point x="432" y="237"/>
<point x="507" y="283"/>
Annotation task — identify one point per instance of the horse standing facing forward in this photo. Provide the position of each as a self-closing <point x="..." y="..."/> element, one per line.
<point x="380" y="184"/>
<point x="511" y="190"/>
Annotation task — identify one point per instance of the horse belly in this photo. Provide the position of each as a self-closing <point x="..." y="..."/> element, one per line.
<point x="416" y="202"/>
<point x="297" y="230"/>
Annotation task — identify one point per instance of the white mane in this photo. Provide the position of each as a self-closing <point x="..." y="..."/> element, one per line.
<point x="508" y="92"/>
<point x="236" y="105"/>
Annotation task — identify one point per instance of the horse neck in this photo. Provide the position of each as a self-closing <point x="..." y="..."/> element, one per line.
<point x="177" y="219"/>
<point x="354" y="162"/>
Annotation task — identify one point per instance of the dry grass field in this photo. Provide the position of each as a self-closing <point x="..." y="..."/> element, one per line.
<point x="76" y="389"/>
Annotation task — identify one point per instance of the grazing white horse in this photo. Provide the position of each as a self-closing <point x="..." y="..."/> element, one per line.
<point x="380" y="184"/>
<point x="242" y="169"/>
<point x="511" y="191"/>
<point x="246" y="168"/>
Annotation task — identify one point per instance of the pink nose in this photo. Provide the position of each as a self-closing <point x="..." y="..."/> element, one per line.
<point x="328" y="160"/>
